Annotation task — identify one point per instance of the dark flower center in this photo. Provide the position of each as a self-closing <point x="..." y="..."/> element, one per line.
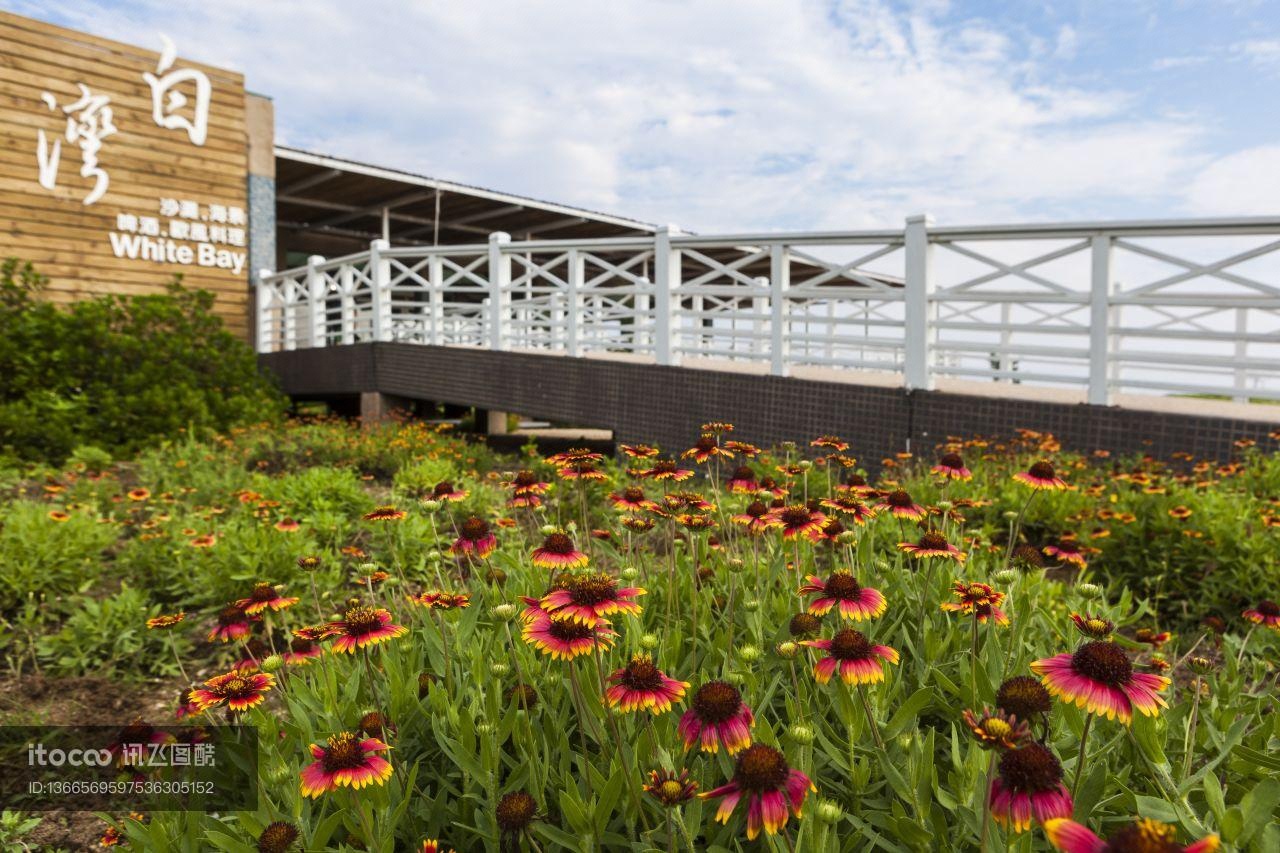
<point x="1103" y="661"/>
<point x="558" y="543"/>
<point x="344" y="752"/>
<point x="301" y="646"/>
<point x="475" y="529"/>
<point x="641" y="674"/>
<point x="633" y="494"/>
<point x="900" y="499"/>
<point x="742" y="472"/>
<point x="1268" y="608"/>
<point x="795" y="516"/>
<point x="524" y="479"/>
<point x="855" y="480"/>
<point x="663" y="466"/>
<point x="1144" y="836"/>
<point x="373" y="723"/>
<point x="850" y="645"/>
<point x="444" y="488"/>
<point x="933" y="541"/>
<point x="805" y="624"/>
<point x="263" y="592"/>
<point x="1030" y="769"/>
<point x="951" y="460"/>
<point x="1041" y="470"/>
<point x="1028" y="556"/>
<point x="761" y="768"/>
<point x="716" y="702"/>
<point x="230" y="615"/>
<point x="362" y="620"/>
<point x="278" y="837"/>
<point x="1024" y="697"/>
<point x="591" y="589"/>
<point x="236" y="685"/>
<point x="833" y="528"/>
<point x="257" y="649"/>
<point x="515" y="811"/>
<point x="769" y="483"/>
<point x="522" y="695"/>
<point x="842" y="585"/>
<point x="757" y="510"/>
<point x="567" y="630"/>
<point x="705" y="443"/>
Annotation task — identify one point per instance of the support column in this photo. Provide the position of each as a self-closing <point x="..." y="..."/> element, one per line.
<point x="376" y="407"/>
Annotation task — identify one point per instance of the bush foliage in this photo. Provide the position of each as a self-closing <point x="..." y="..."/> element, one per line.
<point x="118" y="372"/>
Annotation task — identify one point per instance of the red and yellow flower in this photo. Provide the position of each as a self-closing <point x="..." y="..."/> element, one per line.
<point x="1267" y="614"/>
<point x="558" y="552"/>
<point x="717" y="715"/>
<point x="641" y="686"/>
<point x="591" y="597"/>
<point x="475" y="539"/>
<point x="1142" y="836"/>
<point x="841" y="590"/>
<point x="669" y="788"/>
<point x="1028" y="786"/>
<point x="951" y="466"/>
<point x="237" y="689"/>
<point x="977" y="599"/>
<point x="932" y="544"/>
<point x="346" y="761"/>
<point x="705" y="449"/>
<point x="997" y="729"/>
<point x="385" y="513"/>
<point x="798" y="520"/>
<point x="1041" y="476"/>
<point x="165" y="621"/>
<point x="361" y="627"/>
<point x="1099" y="678"/>
<point x="232" y="624"/>
<point x="565" y="638"/>
<point x="858" y="660"/>
<point x="770" y="786"/>
<point x="900" y="504"/>
<point x="264" y="597"/>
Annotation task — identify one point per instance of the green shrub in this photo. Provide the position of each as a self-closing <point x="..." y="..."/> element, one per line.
<point x="118" y="372"/>
<point x="98" y="636"/>
<point x="47" y="557"/>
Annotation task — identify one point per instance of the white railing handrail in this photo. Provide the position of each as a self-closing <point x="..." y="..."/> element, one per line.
<point x="813" y="298"/>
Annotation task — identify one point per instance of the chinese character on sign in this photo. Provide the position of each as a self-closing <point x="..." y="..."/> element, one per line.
<point x="188" y="209"/>
<point x="169" y="207"/>
<point x="168" y="102"/>
<point x="89" y="121"/>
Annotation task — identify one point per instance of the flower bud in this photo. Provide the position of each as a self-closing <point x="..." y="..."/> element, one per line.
<point x="751" y="605"/>
<point x="271" y="663"/>
<point x="829" y="812"/>
<point x="505" y="610"/>
<point x="484" y="728"/>
<point x="1007" y="576"/>
<point x="433" y="556"/>
<point x="429" y="504"/>
<point x="1010" y="515"/>
<point x="801" y="734"/>
<point x="499" y="668"/>
<point x="630" y="573"/>
<point x="649" y="642"/>
<point x="749" y="654"/>
<point x="1089" y="590"/>
<point x="736" y="565"/>
<point x="788" y="649"/>
<point x="368" y="568"/>
<point x="547" y="529"/>
<point x="944" y="505"/>
<point x="846" y="537"/>
<point x="735" y="677"/>
<point x="1201" y="666"/>
<point x="806" y="464"/>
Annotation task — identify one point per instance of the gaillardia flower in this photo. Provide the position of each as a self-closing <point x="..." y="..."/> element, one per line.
<point x="717" y="715"/>
<point x="899" y="504"/>
<point x="704" y="449"/>
<point x="591" y="597"/>
<point x="361" y="627"/>
<point x="385" y="513"/>
<point x="631" y="499"/>
<point x="951" y="466"/>
<point x="670" y="789"/>
<point x="345" y="761"/>
<point x="558" y="552"/>
<point x="859" y="661"/>
<point x="841" y="589"/>
<point x="1028" y="785"/>
<point x="1099" y="678"/>
<point x="565" y="638"/>
<point x="264" y="597"/>
<point x="763" y="776"/>
<point x="743" y="480"/>
<point x="798" y="520"/>
<point x="996" y="729"/>
<point x="756" y="518"/>
<point x="932" y="544"/>
<point x="165" y="621"/>
<point x="1267" y="614"/>
<point x="978" y="599"/>
<point x="1093" y="627"/>
<point x="1041" y="476"/>
<point x="239" y="690"/>
<point x="233" y="624"/>
<point x="1066" y="550"/>
<point x="1024" y="697"/>
<point x="515" y="811"/>
<point x="277" y="837"/>
<point x="641" y="686"/>
<point x="1142" y="836"/>
<point x="475" y="539"/>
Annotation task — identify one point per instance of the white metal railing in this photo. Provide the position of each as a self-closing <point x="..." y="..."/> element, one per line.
<point x="1172" y="307"/>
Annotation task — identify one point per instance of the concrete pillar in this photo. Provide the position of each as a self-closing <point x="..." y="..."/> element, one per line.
<point x="494" y="422"/>
<point x="376" y="407"/>
<point x="259" y="118"/>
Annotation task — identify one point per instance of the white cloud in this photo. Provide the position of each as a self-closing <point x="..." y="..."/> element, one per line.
<point x="1247" y="182"/>
<point x="716" y="114"/>
<point x="1264" y="53"/>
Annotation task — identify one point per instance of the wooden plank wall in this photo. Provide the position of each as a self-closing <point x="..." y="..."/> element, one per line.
<point x="66" y="239"/>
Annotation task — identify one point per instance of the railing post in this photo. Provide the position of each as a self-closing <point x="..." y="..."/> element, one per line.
<point x="779" y="284"/>
<point x="574" y="327"/>
<point x="380" y="277"/>
<point x="1100" y="321"/>
<point x="666" y="279"/>
<point x="499" y="289"/>
<point x="435" y="299"/>
<point x="917" y="304"/>
<point x="315" y="299"/>
<point x="347" y="303"/>
<point x="263" y="308"/>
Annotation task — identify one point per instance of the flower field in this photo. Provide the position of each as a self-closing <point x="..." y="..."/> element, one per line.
<point x="994" y="645"/>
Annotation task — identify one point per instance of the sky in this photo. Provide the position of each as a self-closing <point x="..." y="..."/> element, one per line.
<point x="735" y="115"/>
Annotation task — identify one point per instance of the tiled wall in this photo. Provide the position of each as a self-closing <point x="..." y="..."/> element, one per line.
<point x="666" y="405"/>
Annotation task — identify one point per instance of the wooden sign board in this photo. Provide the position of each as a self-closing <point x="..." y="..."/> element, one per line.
<point x="122" y="167"/>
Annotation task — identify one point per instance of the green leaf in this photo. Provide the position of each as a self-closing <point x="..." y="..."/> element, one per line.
<point x="1258" y="808"/>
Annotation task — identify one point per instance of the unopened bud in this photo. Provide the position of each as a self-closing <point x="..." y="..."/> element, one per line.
<point x="630" y="573"/>
<point x="801" y="734"/>
<point x="429" y="504"/>
<point x="749" y="654"/>
<point x="499" y="668"/>
<point x="271" y="663"/>
<point x="1089" y="590"/>
<point x="547" y="529"/>
<point x="788" y="649"/>
<point x="751" y="605"/>
<point x="1007" y="576"/>
<point x="649" y="642"/>
<point x="829" y="812"/>
<point x="505" y="610"/>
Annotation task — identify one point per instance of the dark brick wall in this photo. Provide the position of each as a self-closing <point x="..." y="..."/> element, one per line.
<point x="642" y="402"/>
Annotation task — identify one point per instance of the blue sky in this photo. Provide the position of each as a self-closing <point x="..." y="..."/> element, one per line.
<point x="768" y="114"/>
